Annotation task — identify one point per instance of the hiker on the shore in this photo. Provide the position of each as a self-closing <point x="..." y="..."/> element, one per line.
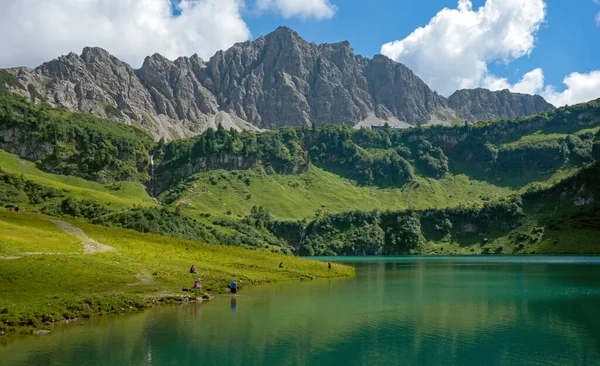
<point x="17" y="209"/>
<point x="10" y="209"/>
<point x="197" y="284"/>
<point x="329" y="265"/>
<point x="281" y="265"/>
<point x="193" y="269"/>
<point x="233" y="287"/>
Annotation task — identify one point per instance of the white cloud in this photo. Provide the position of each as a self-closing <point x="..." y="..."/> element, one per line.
<point x="318" y="9"/>
<point x="453" y="50"/>
<point x="598" y="19"/>
<point x="580" y="88"/>
<point x="531" y="83"/>
<point x="40" y="30"/>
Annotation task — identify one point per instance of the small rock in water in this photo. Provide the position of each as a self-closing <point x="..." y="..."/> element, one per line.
<point x="41" y="332"/>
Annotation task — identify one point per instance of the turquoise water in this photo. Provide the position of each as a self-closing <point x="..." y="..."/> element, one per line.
<point x="409" y="311"/>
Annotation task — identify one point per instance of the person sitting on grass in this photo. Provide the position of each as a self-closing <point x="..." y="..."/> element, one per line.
<point x="197" y="284"/>
<point x="193" y="269"/>
<point x="281" y="265"/>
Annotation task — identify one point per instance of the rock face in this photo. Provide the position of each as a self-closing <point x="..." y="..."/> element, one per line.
<point x="273" y="81"/>
<point x="482" y="105"/>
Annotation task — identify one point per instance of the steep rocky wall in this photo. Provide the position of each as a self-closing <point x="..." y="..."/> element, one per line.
<point x="276" y="80"/>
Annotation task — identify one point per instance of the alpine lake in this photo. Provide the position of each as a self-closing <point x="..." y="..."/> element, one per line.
<point x="485" y="310"/>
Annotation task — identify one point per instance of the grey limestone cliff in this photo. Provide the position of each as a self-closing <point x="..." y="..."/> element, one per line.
<point x="276" y="80"/>
<point x="482" y="105"/>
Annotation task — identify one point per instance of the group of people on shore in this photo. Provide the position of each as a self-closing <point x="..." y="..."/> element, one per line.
<point x="198" y="285"/>
<point x="15" y="208"/>
<point x="233" y="286"/>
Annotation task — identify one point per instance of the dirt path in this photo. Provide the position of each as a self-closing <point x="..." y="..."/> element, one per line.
<point x="90" y="246"/>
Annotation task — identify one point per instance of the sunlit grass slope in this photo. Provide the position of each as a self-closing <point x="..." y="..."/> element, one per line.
<point x="46" y="276"/>
<point x="121" y="193"/>
<point x="293" y="197"/>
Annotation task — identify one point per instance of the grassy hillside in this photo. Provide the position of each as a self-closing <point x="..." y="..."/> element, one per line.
<point x="211" y="184"/>
<point x="555" y="218"/>
<point x="55" y="270"/>
<point x="112" y="205"/>
<point x="73" y="143"/>
<point x="301" y="196"/>
<point x="433" y="167"/>
<point x="120" y="194"/>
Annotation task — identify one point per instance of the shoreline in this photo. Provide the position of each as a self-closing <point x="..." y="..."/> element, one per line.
<point x="79" y="270"/>
<point x="123" y="304"/>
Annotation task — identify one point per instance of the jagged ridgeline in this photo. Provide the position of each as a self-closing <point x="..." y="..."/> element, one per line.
<point x="273" y="81"/>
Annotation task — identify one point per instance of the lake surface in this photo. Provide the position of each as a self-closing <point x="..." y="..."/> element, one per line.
<point x="409" y="311"/>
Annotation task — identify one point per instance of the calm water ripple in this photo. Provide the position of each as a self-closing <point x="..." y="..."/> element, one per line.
<point x="409" y="311"/>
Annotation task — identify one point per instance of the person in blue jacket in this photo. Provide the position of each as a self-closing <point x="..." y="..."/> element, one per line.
<point x="233" y="287"/>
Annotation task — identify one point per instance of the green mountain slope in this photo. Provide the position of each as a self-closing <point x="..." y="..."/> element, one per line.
<point x="560" y="218"/>
<point x="119" y="194"/>
<point x="260" y="190"/>
<point x="301" y="196"/>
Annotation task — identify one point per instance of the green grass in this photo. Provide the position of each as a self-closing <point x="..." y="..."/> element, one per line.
<point x="39" y="290"/>
<point x="19" y="237"/>
<point x="293" y="197"/>
<point x="6" y="78"/>
<point x="536" y="138"/>
<point x="120" y="194"/>
<point x="540" y="137"/>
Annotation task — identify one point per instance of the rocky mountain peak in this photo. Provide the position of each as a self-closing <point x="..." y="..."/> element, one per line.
<point x="156" y="61"/>
<point x="90" y="54"/>
<point x="275" y="80"/>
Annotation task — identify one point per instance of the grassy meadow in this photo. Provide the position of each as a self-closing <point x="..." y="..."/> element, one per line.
<point x="45" y="276"/>
<point x="294" y="197"/>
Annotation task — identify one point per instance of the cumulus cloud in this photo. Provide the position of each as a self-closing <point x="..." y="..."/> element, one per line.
<point x="530" y="83"/>
<point x="318" y="9"/>
<point x="40" y="30"/>
<point x="580" y="88"/>
<point x="453" y="50"/>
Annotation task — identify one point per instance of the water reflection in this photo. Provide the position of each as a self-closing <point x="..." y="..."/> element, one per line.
<point x="409" y="312"/>
<point x="234" y="304"/>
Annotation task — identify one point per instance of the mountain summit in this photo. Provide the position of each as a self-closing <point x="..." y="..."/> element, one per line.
<point x="276" y="80"/>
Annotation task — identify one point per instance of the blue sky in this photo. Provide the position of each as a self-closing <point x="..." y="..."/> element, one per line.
<point x="546" y="47"/>
<point x="569" y="40"/>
